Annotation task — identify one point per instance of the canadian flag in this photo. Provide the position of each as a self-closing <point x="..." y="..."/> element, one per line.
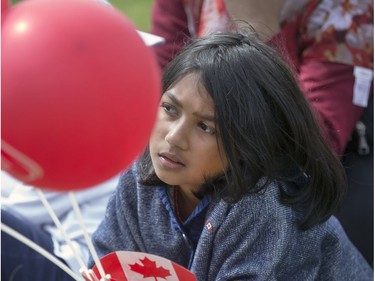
<point x="138" y="266"/>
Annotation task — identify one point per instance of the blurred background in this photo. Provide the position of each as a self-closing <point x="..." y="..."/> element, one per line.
<point x="138" y="11"/>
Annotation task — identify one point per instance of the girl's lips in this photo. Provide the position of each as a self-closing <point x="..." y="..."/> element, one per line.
<point x="170" y="161"/>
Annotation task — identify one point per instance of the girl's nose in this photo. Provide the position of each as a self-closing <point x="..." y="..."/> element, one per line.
<point x="177" y="136"/>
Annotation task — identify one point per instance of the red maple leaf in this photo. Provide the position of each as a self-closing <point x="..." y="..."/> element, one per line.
<point x="148" y="268"/>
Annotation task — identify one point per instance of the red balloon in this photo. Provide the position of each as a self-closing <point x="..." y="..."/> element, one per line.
<point x="4" y="8"/>
<point x="80" y="92"/>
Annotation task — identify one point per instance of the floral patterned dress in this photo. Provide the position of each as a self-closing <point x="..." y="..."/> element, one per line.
<point x="328" y="30"/>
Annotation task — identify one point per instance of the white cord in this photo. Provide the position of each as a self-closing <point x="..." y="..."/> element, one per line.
<point x="59" y="226"/>
<point x="85" y="233"/>
<point x="39" y="249"/>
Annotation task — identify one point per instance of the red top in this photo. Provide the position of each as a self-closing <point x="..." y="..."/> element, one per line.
<point x="326" y="30"/>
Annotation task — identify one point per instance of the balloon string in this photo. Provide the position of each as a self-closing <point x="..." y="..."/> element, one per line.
<point x="85" y="233"/>
<point x="39" y="249"/>
<point x="59" y="226"/>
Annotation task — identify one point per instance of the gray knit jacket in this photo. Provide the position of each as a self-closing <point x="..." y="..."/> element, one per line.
<point x="254" y="239"/>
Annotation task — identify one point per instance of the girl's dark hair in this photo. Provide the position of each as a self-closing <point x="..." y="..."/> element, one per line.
<point x="267" y="127"/>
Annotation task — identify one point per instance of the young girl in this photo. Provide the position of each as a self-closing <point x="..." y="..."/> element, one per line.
<point x="237" y="182"/>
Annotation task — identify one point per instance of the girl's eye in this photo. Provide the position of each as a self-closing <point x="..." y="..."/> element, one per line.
<point x="168" y="108"/>
<point x="206" y="128"/>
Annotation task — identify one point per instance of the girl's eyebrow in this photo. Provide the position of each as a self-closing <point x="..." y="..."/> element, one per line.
<point x="198" y="114"/>
<point x="173" y="98"/>
<point x="205" y="117"/>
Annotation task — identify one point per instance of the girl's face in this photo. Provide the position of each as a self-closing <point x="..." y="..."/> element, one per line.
<point x="183" y="145"/>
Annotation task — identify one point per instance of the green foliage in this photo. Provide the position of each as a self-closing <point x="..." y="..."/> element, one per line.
<point x="138" y="11"/>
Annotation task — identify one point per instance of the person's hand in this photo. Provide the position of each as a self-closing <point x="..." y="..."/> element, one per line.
<point x="262" y="15"/>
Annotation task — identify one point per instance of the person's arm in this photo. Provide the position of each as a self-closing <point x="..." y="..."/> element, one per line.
<point x="329" y="89"/>
<point x="330" y="45"/>
<point x="25" y="200"/>
<point x="168" y="20"/>
<point x="263" y="16"/>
